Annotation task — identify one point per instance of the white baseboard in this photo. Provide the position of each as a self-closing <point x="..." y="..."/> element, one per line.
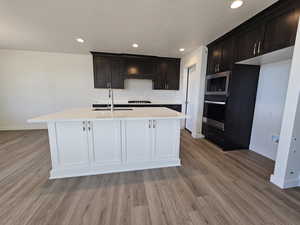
<point x="253" y="149"/>
<point x="96" y="170"/>
<point x="290" y="183"/>
<point x="197" y="136"/>
<point x="23" y="127"/>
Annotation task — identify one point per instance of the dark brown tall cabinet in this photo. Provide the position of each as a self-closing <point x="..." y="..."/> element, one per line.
<point x="272" y="29"/>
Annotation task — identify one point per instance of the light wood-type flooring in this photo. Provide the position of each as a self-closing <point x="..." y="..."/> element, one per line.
<point x="211" y="187"/>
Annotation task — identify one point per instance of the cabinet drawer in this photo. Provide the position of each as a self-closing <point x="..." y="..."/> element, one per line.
<point x="214" y="135"/>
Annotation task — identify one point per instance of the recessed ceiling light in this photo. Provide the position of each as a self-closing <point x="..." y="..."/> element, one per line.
<point x="80" y="40"/>
<point x="236" y="4"/>
<point x="181" y="49"/>
<point x="135" y="45"/>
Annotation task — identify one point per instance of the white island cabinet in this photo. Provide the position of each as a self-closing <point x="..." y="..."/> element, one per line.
<point x="103" y="142"/>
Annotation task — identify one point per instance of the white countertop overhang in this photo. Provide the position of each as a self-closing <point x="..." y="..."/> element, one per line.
<point x="148" y="113"/>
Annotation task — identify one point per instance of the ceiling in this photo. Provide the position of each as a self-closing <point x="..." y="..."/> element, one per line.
<point x="160" y="27"/>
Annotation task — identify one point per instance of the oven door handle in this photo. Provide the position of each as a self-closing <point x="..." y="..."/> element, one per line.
<point x="212" y="102"/>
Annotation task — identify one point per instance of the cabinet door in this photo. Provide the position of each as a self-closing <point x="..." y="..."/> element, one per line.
<point x="138" y="141"/>
<point x="227" y="55"/>
<point x="214" y="58"/>
<point x="161" y="76"/>
<point x="248" y="43"/>
<point x="166" y="136"/>
<point x="108" y="71"/>
<point x="72" y="142"/>
<point x="102" y="72"/>
<point x="173" y="74"/>
<point x="106" y="139"/>
<point x="168" y="75"/>
<point x="240" y="105"/>
<point x="138" y="65"/>
<point x="117" y="72"/>
<point x="210" y="68"/>
<point x="281" y="31"/>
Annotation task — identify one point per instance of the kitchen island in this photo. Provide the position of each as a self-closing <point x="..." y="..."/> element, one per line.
<point x="88" y="142"/>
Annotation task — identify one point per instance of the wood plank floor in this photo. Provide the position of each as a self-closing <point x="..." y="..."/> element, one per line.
<point x="211" y="187"/>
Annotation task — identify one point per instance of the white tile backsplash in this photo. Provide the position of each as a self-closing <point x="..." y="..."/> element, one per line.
<point x="138" y="89"/>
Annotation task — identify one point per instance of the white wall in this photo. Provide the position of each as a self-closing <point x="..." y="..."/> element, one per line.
<point x="36" y="83"/>
<point x="270" y="100"/>
<point x="287" y="166"/>
<point x="199" y="58"/>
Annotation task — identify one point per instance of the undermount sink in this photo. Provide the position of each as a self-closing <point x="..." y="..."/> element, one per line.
<point x="115" y="109"/>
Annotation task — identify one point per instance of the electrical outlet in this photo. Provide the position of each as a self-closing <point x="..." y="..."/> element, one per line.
<point x="275" y="139"/>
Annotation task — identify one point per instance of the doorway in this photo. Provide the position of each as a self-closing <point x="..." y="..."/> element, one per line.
<point x="190" y="98"/>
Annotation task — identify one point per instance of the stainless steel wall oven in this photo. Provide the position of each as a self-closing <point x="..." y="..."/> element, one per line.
<point x="214" y="114"/>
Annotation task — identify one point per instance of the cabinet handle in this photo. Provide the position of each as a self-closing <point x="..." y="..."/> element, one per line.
<point x="83" y="127"/>
<point x="254" y="50"/>
<point x="154" y="123"/>
<point x="89" y="125"/>
<point x="258" y="48"/>
<point x="150" y="123"/>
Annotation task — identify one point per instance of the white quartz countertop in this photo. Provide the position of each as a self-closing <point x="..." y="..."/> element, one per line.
<point x="88" y="114"/>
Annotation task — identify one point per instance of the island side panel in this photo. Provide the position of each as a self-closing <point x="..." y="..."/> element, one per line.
<point x="53" y="145"/>
<point x="177" y="138"/>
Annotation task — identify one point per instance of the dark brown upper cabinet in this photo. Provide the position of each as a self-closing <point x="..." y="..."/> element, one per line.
<point x="108" y="71"/>
<point x="220" y="56"/>
<point x="173" y="74"/>
<point x="168" y="74"/>
<point x="249" y="43"/>
<point x="140" y="67"/>
<point x="281" y="30"/>
<point x="159" y="81"/>
<point x="214" y="58"/>
<point x="272" y="29"/>
<point x="227" y="54"/>
<point x="117" y="76"/>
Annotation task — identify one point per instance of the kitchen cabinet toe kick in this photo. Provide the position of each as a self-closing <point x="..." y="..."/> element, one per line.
<point x="105" y="169"/>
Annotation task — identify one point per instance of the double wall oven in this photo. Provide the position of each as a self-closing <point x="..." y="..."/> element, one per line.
<point x="229" y="107"/>
<point x="216" y="94"/>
